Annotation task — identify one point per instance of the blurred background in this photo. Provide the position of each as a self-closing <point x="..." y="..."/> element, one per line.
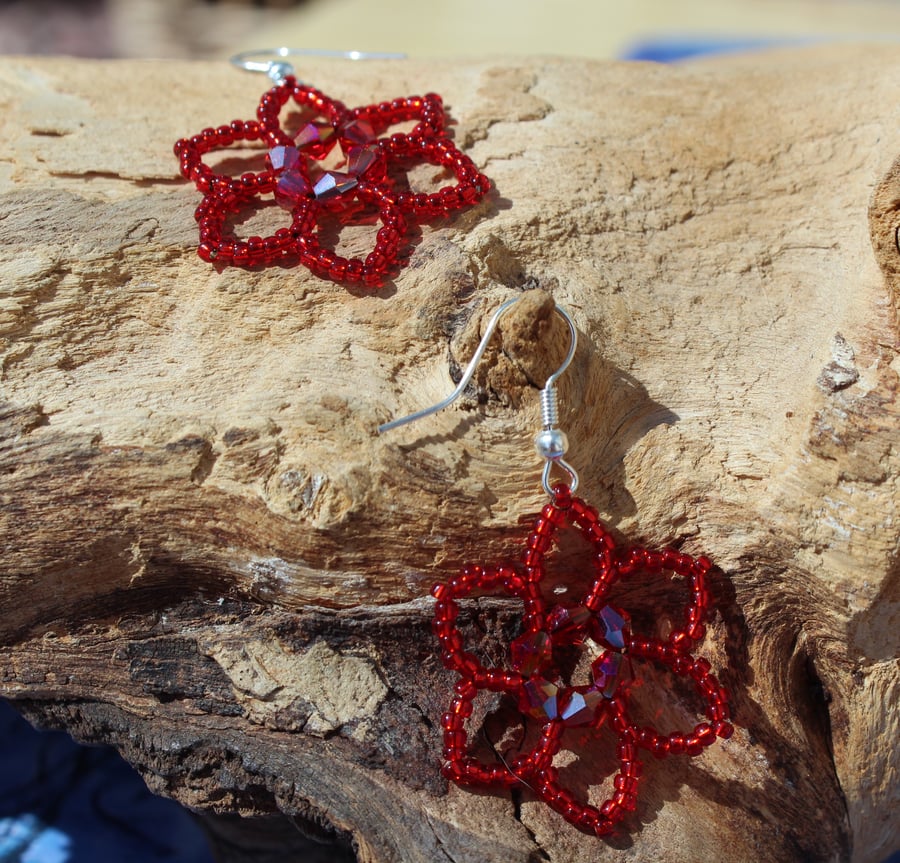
<point x="645" y="29"/>
<point x="62" y="803"/>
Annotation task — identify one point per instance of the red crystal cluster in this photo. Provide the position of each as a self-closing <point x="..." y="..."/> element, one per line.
<point x="371" y="179"/>
<point x="535" y="685"/>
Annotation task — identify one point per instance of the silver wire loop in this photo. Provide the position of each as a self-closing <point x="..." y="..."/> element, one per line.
<point x="551" y="442"/>
<point x="548" y="467"/>
<point x="271" y="61"/>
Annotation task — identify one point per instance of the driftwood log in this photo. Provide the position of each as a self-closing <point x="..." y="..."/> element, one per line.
<point x="213" y="562"/>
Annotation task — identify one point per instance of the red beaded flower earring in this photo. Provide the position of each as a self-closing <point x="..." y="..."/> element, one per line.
<point x="550" y="632"/>
<point x="368" y="181"/>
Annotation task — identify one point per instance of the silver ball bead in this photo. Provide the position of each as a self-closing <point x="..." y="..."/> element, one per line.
<point x="278" y="71"/>
<point x="551" y="443"/>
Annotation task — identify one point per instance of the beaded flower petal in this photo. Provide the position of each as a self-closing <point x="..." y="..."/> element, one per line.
<point x="533" y="681"/>
<point x="369" y="180"/>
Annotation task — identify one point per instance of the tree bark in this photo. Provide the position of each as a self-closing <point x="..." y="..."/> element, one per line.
<point x="213" y="562"/>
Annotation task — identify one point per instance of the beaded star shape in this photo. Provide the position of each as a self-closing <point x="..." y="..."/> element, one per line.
<point x="533" y="680"/>
<point x="371" y="182"/>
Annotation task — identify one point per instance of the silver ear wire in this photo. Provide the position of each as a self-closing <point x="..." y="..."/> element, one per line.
<point x="271" y="61"/>
<point x="550" y="443"/>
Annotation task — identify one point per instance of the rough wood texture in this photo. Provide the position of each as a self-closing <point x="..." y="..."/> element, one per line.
<point x="213" y="562"/>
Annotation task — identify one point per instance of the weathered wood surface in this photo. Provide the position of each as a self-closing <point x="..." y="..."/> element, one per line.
<point x="213" y="562"/>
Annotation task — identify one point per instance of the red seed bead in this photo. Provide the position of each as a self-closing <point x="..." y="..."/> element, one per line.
<point x="715" y="713"/>
<point x="207" y="251"/>
<point x="676" y="744"/>
<point x="633" y="769"/>
<point x="455" y="738"/>
<point x="670" y="559"/>
<point x="626" y="751"/>
<point x="655" y="561"/>
<point x="723" y="729"/>
<point x="696" y="631"/>
<point x="701" y="668"/>
<point x="681" y="642"/>
<point x="624" y="800"/>
<point x="660" y="747"/>
<point x="705" y="734"/>
<point x="611" y="810"/>
<point x="469" y="664"/>
<point x="625" y="783"/>
<point x="693" y="614"/>
<point x="452" y="721"/>
<point x="443" y="629"/>
<point x="461" y="707"/>
<point x="532" y="558"/>
<point x="646" y="737"/>
<point x="465" y="688"/>
<point x="452" y="641"/>
<point x="681" y="664"/>
<point x="452" y="770"/>
<point x="692" y="745"/>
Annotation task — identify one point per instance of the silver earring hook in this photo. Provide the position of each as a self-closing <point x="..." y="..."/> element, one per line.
<point x="551" y="443"/>
<point x="271" y="61"/>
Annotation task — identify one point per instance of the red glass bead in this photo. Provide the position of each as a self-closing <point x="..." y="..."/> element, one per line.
<point x="696" y="631"/>
<point x="468" y="664"/>
<point x="531" y="652"/>
<point x="610" y="626"/>
<point x="452" y="721"/>
<point x="660" y="747"/>
<point x="539" y="699"/>
<point x="633" y="769"/>
<point x="567" y="623"/>
<point x="465" y="688"/>
<point x="692" y="745"/>
<point x="579" y="706"/>
<point x="626" y="751"/>
<point x="701" y="668"/>
<point x="646" y="737"/>
<point x="625" y="783"/>
<point x="704" y="733"/>
<point x="619" y="723"/>
<point x="610" y="671"/>
<point x="680" y="641"/>
<point x="544" y="526"/>
<point x="610" y="810"/>
<point x="676" y="743"/>
<point x="723" y="729"/>
<point x="655" y="561"/>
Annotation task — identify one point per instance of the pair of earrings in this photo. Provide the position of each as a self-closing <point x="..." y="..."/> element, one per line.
<point x="551" y="633"/>
<point x="370" y="176"/>
<point x="365" y="176"/>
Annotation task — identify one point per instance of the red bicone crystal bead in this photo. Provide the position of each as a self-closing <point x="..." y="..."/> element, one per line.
<point x="284" y="158"/>
<point x="356" y="133"/>
<point x="567" y="623"/>
<point x="333" y="183"/>
<point x="610" y="627"/>
<point x="579" y="706"/>
<point x="611" y="671"/>
<point x="539" y="699"/>
<point x="531" y="652"/>
<point x="290" y="188"/>
<point x="316" y="137"/>
<point x="360" y="159"/>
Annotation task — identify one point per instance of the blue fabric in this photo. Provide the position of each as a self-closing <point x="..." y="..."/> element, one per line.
<point x="65" y="803"/>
